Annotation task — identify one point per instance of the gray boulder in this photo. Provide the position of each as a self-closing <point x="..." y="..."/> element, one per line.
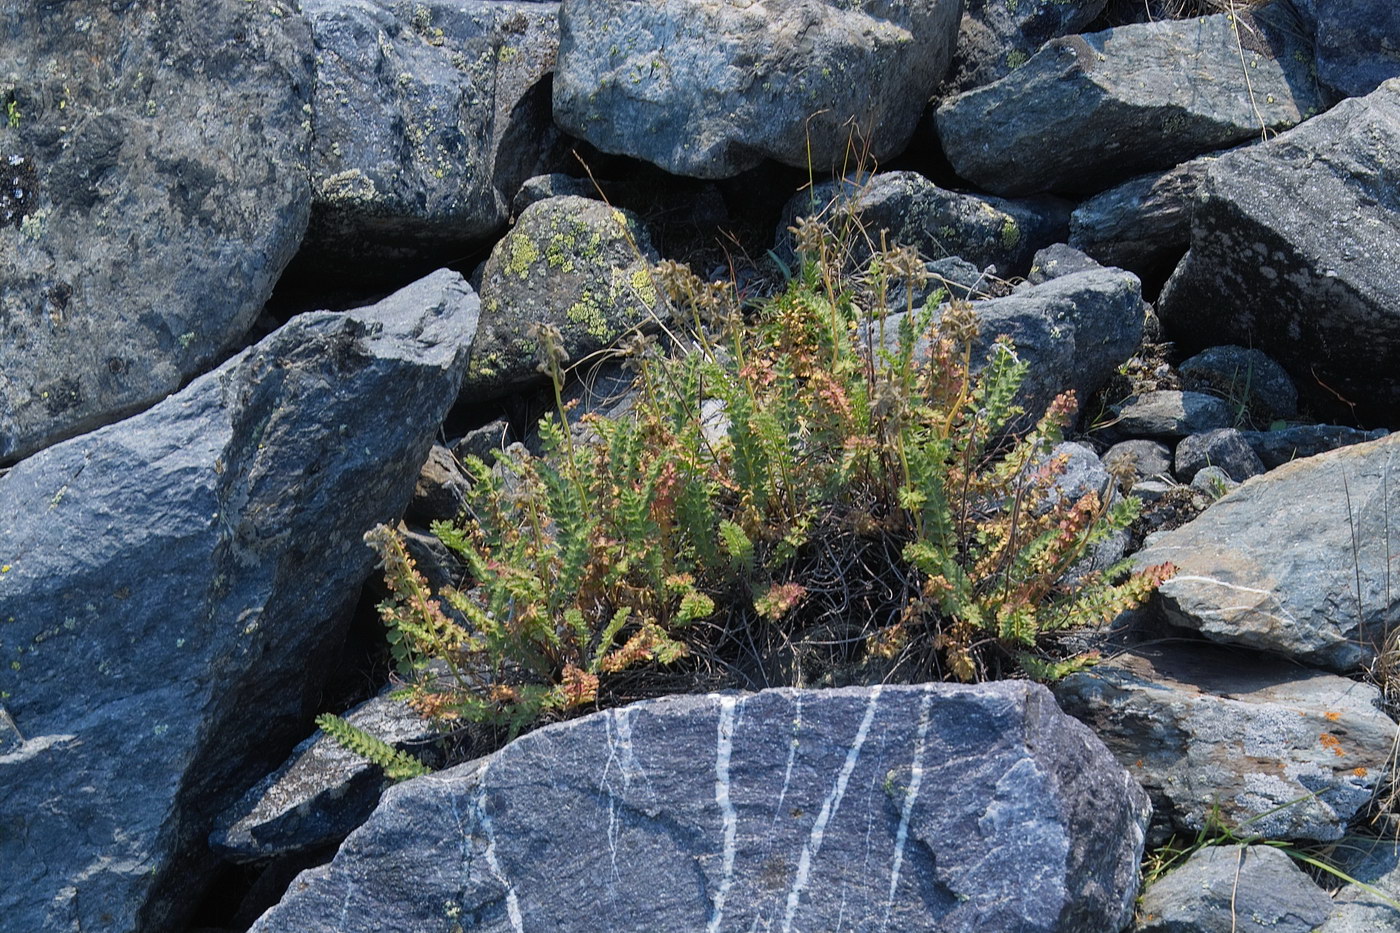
<point x="1265" y="746"/>
<point x="1170" y="413"/>
<point x="711" y="89"/>
<point x="1299" y="239"/>
<point x="1088" y="111"/>
<point x="1138" y="459"/>
<point x="1144" y="224"/>
<point x="1245" y="376"/>
<point x="441" y="490"/>
<point x="322" y="791"/>
<point x="1056" y="260"/>
<point x="1370" y="905"/>
<point x="1305" y="440"/>
<point x="905" y="808"/>
<point x="1234" y="889"/>
<point x="575" y="263"/>
<point x="984" y="231"/>
<point x="155" y="155"/>
<point x="1357" y="42"/>
<point x="427" y="119"/>
<point x="1224" y="448"/>
<point x="1073" y="332"/>
<point x="1297" y="561"/>
<point x="996" y="37"/>
<point x="175" y="587"/>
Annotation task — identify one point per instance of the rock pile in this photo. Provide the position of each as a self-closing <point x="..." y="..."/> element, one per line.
<point x="1192" y="222"/>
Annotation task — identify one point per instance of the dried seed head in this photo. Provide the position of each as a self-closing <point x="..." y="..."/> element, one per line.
<point x="810" y="237"/>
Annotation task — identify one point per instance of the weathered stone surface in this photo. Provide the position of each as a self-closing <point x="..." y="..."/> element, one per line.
<point x="1305" y="440"/>
<point x="1143" y="224"/>
<point x="1296" y="561"/>
<point x="910" y="808"/>
<point x="711" y="89"/>
<point x="996" y="37"/>
<point x="1234" y="888"/>
<point x="541" y="187"/>
<point x="441" y="489"/>
<point x="984" y="231"/>
<point x="1224" y="448"/>
<point x="322" y="791"/>
<point x="1073" y="331"/>
<point x="427" y="118"/>
<point x="1357" y="42"/>
<point x="1360" y="909"/>
<point x="175" y="587"/>
<point x="1138" y="459"/>
<point x="1056" y="260"/>
<point x="1292" y="753"/>
<point x="578" y="264"/>
<point x="1295" y="245"/>
<point x="1089" y="111"/>
<point x="156" y="160"/>
<point x="1247" y="377"/>
<point x="1170" y="413"/>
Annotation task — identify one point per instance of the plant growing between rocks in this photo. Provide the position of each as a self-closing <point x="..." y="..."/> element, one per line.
<point x="813" y="490"/>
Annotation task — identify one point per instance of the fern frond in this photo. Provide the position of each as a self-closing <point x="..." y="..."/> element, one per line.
<point x="398" y="765"/>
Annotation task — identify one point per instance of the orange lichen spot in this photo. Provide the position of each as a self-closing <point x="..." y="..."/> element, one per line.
<point x="1330" y="741"/>
<point x="1359" y="772"/>
<point x="1332" y="716"/>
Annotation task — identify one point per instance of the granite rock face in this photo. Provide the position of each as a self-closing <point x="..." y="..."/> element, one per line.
<point x="1091" y="110"/>
<point x="1294" y="247"/>
<point x="175" y="587"/>
<point x="708" y="89"/>
<point x="996" y="37"/>
<point x="1297" y="561"/>
<point x="1286" y="752"/>
<point x="427" y="119"/>
<point x="155" y="157"/>
<point x="910" y="808"/>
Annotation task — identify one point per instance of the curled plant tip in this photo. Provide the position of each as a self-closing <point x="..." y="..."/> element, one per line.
<point x="552" y="353"/>
<point x="677" y="281"/>
<point x="810" y="237"/>
<point x="637" y="350"/>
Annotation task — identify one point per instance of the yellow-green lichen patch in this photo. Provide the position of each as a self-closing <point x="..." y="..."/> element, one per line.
<point x="521" y="254"/>
<point x="352" y="186"/>
<point x="1010" y="234"/>
<point x="560" y="252"/>
<point x="588" y="314"/>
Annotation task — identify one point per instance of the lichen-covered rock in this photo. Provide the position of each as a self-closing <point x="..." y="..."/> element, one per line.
<point x="1229" y="734"/>
<point x="574" y="263"/>
<point x="1088" y="111"/>
<point x="984" y="231"/>
<point x="174" y="588"/>
<point x="709" y="89"/>
<point x="997" y="37"/>
<point x="155" y="157"/>
<point x="955" y="808"/>
<point x="1299" y="561"/>
<point x="1357" y="42"/>
<point x="427" y="118"/>
<point x="1170" y="413"/>
<point x="1223" y="448"/>
<point x="1245" y="376"/>
<point x="1298" y="238"/>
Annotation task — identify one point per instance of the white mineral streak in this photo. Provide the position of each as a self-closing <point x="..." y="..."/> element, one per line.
<point x="911" y="793"/>
<point x="1196" y="578"/>
<point x="792" y="756"/>
<point x="623" y="755"/>
<point x="723" y="749"/>
<point x="829" y="807"/>
<point x="488" y="829"/>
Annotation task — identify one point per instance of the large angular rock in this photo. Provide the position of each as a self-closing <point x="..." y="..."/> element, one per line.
<point x="711" y="89"/>
<point x="904" y="808"/>
<point x="1088" y="111"/>
<point x="1371" y="905"/>
<point x="1241" y="889"/>
<point x="1295" y="245"/>
<point x="1357" y="42"/>
<point x="427" y="118"/>
<point x="1297" y="561"/>
<point x="174" y="586"/>
<point x="997" y="37"/>
<point x="984" y="231"/>
<point x="1276" y="448"/>
<point x="574" y="263"/>
<point x="1144" y="224"/>
<point x="1259" y="743"/>
<point x="156" y="164"/>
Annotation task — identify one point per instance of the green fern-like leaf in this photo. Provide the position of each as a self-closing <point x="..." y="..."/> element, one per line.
<point x="398" y="765"/>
